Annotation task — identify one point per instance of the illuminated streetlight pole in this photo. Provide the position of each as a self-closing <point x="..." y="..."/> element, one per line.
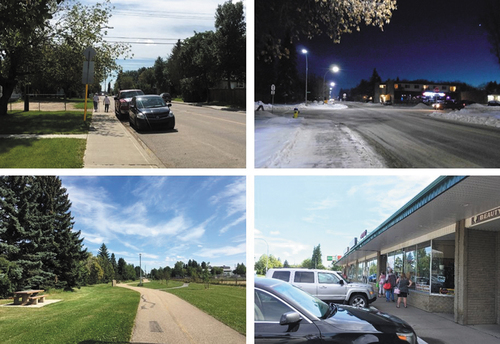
<point x="334" y="69"/>
<point x="304" y="51"/>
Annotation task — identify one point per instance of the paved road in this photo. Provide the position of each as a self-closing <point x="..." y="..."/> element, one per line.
<point x="165" y="318"/>
<point x="204" y="138"/>
<point x="407" y="137"/>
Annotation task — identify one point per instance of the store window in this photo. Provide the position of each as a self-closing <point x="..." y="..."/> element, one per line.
<point x="372" y="271"/>
<point x="443" y="267"/>
<point x="410" y="264"/>
<point x="422" y="278"/>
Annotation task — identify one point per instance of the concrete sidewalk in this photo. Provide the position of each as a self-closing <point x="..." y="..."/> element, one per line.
<point x="439" y="328"/>
<point x="111" y="145"/>
<point x="165" y="318"/>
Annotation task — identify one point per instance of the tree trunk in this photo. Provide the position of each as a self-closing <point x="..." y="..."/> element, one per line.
<point x="7" y="90"/>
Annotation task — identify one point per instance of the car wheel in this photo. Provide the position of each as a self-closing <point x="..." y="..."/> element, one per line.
<point x="358" y="301"/>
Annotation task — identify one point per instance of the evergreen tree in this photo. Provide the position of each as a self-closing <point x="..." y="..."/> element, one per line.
<point x="122" y="265"/>
<point x="65" y="245"/>
<point x="103" y="252"/>
<point x="316" y="259"/>
<point x="114" y="264"/>
<point x="22" y="237"/>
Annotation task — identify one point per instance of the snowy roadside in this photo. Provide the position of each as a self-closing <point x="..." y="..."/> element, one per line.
<point x="287" y="142"/>
<point x="475" y="114"/>
<point x="313" y="105"/>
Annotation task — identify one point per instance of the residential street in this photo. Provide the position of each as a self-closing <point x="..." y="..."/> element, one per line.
<point x="368" y="135"/>
<point x="204" y="137"/>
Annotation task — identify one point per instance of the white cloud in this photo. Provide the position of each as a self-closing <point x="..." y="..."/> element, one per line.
<point x="232" y="224"/>
<point x="222" y="251"/>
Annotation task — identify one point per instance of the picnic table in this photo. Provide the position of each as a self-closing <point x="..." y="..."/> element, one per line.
<point x="28" y="297"/>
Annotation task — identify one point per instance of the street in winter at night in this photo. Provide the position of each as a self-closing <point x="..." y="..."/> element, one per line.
<point x="420" y="92"/>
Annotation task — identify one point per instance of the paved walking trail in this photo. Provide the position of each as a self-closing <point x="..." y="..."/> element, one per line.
<point x="165" y="318"/>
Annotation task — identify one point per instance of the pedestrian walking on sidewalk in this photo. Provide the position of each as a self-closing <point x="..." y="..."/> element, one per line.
<point x="381" y="282"/>
<point x="96" y="101"/>
<point x="403" y="282"/>
<point x="106" y="104"/>
<point x="389" y="293"/>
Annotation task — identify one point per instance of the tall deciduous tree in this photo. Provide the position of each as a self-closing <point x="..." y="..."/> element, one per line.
<point x="308" y="19"/>
<point x="491" y="24"/>
<point x="230" y="41"/>
<point x="22" y="38"/>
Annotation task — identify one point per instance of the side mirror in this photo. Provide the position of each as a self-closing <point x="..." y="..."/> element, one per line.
<point x="169" y="104"/>
<point x="290" y="318"/>
<point x="341" y="282"/>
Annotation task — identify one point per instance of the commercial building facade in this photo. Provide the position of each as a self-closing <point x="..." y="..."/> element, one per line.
<point x="414" y="92"/>
<point x="447" y="238"/>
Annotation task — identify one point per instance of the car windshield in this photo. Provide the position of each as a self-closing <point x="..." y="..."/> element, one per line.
<point x="312" y="304"/>
<point x="148" y="103"/>
<point x="130" y="94"/>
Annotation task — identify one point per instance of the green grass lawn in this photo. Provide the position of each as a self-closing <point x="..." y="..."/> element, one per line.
<point x="45" y="122"/>
<point x="42" y="153"/>
<point x="96" y="314"/>
<point x="225" y="303"/>
<point x="159" y="284"/>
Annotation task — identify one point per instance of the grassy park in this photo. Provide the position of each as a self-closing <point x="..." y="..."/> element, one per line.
<point x="43" y="153"/>
<point x="92" y="314"/>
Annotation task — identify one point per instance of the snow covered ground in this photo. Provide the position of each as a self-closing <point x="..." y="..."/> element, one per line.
<point x="284" y="141"/>
<point x="475" y="113"/>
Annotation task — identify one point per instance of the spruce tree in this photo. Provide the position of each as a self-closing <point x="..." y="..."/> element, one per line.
<point x="22" y="236"/>
<point x="64" y="243"/>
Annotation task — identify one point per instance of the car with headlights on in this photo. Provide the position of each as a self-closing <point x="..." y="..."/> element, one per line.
<point x="150" y="111"/>
<point x="122" y="101"/>
<point x="286" y="314"/>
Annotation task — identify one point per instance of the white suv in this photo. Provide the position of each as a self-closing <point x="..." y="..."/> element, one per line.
<point x="326" y="285"/>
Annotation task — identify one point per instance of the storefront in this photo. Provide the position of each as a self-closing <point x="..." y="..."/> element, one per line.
<point x="447" y="240"/>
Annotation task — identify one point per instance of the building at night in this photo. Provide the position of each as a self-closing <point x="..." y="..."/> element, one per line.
<point x="447" y="238"/>
<point x="401" y="92"/>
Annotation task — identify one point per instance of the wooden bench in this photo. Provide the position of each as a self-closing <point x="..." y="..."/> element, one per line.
<point x="35" y="299"/>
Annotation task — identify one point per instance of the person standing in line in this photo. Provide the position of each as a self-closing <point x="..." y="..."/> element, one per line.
<point x="96" y="101"/>
<point x="389" y="293"/>
<point x="403" y="283"/>
<point x="106" y="104"/>
<point x="381" y="282"/>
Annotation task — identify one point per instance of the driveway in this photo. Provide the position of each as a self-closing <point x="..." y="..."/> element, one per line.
<point x="165" y="318"/>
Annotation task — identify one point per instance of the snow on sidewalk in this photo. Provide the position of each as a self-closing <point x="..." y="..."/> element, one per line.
<point x="306" y="143"/>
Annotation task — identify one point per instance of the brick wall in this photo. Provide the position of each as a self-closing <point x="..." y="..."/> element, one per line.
<point x="482" y="277"/>
<point x="431" y="303"/>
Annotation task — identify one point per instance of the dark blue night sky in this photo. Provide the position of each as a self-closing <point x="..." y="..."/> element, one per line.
<point x="437" y="40"/>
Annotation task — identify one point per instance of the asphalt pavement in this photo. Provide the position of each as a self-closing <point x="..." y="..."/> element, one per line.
<point x="165" y="318"/>
<point x="111" y="145"/>
<point x="440" y="328"/>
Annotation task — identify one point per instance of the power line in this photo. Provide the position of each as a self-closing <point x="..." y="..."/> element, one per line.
<point x="165" y="14"/>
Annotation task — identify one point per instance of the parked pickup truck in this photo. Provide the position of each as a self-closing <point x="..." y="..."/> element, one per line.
<point x="122" y="101"/>
<point x="326" y="285"/>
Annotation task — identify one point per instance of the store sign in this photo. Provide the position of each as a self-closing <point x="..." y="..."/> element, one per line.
<point x="329" y="258"/>
<point x="363" y="234"/>
<point x="485" y="217"/>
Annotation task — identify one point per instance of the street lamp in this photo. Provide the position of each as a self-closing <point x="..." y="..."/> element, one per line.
<point x="332" y="85"/>
<point x="267" y="258"/>
<point x="334" y="69"/>
<point x="140" y="270"/>
<point x="304" y="51"/>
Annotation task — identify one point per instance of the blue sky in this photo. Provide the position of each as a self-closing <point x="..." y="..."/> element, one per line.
<point x="295" y="213"/>
<point x="166" y="219"/>
<point x="159" y="23"/>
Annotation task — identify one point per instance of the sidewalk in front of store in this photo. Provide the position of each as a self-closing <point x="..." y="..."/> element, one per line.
<point x="439" y="328"/>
